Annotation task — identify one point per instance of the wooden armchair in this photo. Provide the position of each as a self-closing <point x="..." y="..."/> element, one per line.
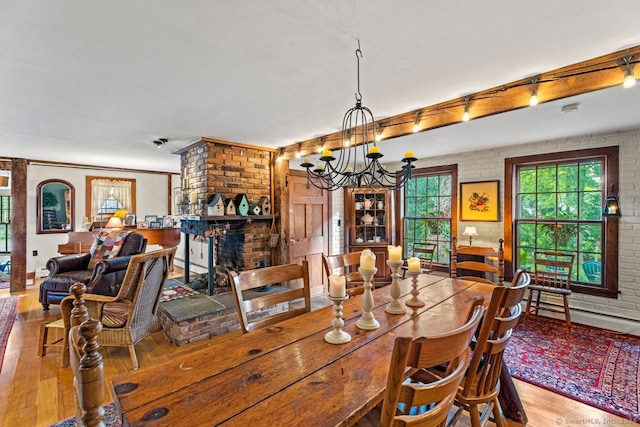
<point x="552" y="275"/>
<point x="478" y="393"/>
<point x="345" y="265"/>
<point x="132" y="314"/>
<point x="482" y="267"/>
<point x="289" y="302"/>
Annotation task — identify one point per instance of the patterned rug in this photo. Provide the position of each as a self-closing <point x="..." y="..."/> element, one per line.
<point x="7" y="316"/>
<point x="176" y="292"/>
<point x="594" y="366"/>
<point x="110" y="419"/>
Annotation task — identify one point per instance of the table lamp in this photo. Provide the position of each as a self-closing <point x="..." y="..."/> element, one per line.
<point x="114" y="222"/>
<point x="470" y="231"/>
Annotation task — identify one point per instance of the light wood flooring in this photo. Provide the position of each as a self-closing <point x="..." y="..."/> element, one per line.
<point x="35" y="391"/>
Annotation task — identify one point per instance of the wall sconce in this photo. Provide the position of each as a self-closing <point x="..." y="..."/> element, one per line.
<point x="629" y="78"/>
<point x="611" y="205"/>
<point x="465" y="115"/>
<point x="470" y="231"/>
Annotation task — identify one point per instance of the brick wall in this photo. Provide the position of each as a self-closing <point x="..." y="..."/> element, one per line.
<point x="489" y="165"/>
<point x="216" y="167"/>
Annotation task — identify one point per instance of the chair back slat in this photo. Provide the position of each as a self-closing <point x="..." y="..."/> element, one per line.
<point x="553" y="269"/>
<point x="293" y="297"/>
<point x="345" y="265"/>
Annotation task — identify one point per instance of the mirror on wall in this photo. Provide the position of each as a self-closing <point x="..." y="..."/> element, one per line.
<point x="55" y="201"/>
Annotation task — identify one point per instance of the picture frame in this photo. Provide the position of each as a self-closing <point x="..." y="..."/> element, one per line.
<point x="480" y="201"/>
<point x="129" y="220"/>
<point x="155" y="224"/>
<point x="150" y="218"/>
<point x="142" y="224"/>
<point x="168" y="222"/>
<point x="177" y="200"/>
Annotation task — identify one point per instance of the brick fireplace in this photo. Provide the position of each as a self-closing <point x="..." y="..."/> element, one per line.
<point x="218" y="167"/>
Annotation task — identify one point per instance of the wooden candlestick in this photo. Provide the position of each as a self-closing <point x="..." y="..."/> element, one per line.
<point x="367" y="321"/>
<point x="414" y="301"/>
<point x="395" y="307"/>
<point x="337" y="336"/>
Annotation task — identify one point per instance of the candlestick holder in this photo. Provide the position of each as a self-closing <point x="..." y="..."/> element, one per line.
<point x="337" y="336"/>
<point x="367" y="321"/>
<point x="395" y="307"/>
<point x="414" y="301"/>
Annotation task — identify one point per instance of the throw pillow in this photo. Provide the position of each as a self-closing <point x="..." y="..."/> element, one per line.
<point x="107" y="245"/>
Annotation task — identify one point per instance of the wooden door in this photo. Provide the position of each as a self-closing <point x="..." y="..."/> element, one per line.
<point x="308" y="226"/>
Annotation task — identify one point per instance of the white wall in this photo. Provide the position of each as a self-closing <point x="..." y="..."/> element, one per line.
<point x="620" y="314"/>
<point x="151" y="199"/>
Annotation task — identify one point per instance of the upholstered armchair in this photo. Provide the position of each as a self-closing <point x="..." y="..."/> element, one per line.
<point x="101" y="270"/>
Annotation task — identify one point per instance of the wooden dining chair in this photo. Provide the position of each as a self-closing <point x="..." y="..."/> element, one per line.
<point x="552" y="276"/>
<point x="345" y="265"/>
<point x="482" y="267"/>
<point x="284" y="302"/>
<point x="415" y="397"/>
<point x="425" y="252"/>
<point x="478" y="393"/>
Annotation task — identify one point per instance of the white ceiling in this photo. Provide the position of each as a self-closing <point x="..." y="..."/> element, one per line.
<point x="95" y="82"/>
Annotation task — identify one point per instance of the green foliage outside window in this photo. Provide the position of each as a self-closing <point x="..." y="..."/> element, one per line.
<point x="427" y="209"/>
<point x="559" y="209"/>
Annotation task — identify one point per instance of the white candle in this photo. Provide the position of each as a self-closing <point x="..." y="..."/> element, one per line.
<point x="193" y="197"/>
<point x="337" y="286"/>
<point x="414" y="265"/>
<point x="367" y="260"/>
<point x="395" y="253"/>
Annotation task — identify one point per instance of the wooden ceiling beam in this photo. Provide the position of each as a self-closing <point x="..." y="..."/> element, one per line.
<point x="588" y="76"/>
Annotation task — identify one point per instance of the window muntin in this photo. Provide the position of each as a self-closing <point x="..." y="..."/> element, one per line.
<point x="428" y="213"/>
<point x="558" y="207"/>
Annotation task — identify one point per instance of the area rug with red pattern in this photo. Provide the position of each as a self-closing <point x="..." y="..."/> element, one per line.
<point x="7" y="316"/>
<point x="594" y="366"/>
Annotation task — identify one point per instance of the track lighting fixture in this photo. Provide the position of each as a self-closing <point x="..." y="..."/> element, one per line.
<point x="465" y="115"/>
<point x="629" y="78"/>
<point x="160" y="142"/>
<point x="533" y="99"/>
<point x="378" y="133"/>
<point x="416" y="123"/>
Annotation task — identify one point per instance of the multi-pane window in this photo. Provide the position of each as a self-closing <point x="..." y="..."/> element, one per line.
<point x="427" y="214"/>
<point x="557" y="206"/>
<point x="5" y="224"/>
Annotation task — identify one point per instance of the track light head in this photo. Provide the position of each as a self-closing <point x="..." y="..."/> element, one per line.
<point x="160" y="142"/>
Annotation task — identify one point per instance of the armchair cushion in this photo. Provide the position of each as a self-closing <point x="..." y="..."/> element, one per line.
<point x="114" y="314"/>
<point x="107" y="245"/>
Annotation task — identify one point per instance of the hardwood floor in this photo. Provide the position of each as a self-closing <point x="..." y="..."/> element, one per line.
<point x="35" y="391"/>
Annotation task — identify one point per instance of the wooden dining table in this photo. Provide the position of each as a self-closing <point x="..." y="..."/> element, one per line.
<point x="287" y="374"/>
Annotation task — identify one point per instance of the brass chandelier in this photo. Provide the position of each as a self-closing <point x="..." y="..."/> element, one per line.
<point x="358" y="161"/>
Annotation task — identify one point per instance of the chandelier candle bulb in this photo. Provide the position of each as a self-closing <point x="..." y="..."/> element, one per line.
<point x="414" y="265"/>
<point x="395" y="253"/>
<point x="374" y="149"/>
<point x="408" y="155"/>
<point x="326" y="153"/>
<point x="367" y="260"/>
<point x="337" y="286"/>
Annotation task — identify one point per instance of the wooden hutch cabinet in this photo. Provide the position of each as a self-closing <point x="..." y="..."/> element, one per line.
<point x="369" y="224"/>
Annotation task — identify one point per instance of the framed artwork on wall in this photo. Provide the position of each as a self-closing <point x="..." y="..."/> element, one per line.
<point x="480" y="201"/>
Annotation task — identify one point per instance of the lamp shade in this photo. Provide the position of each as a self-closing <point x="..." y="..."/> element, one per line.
<point x="114" y="222"/>
<point x="470" y="231"/>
